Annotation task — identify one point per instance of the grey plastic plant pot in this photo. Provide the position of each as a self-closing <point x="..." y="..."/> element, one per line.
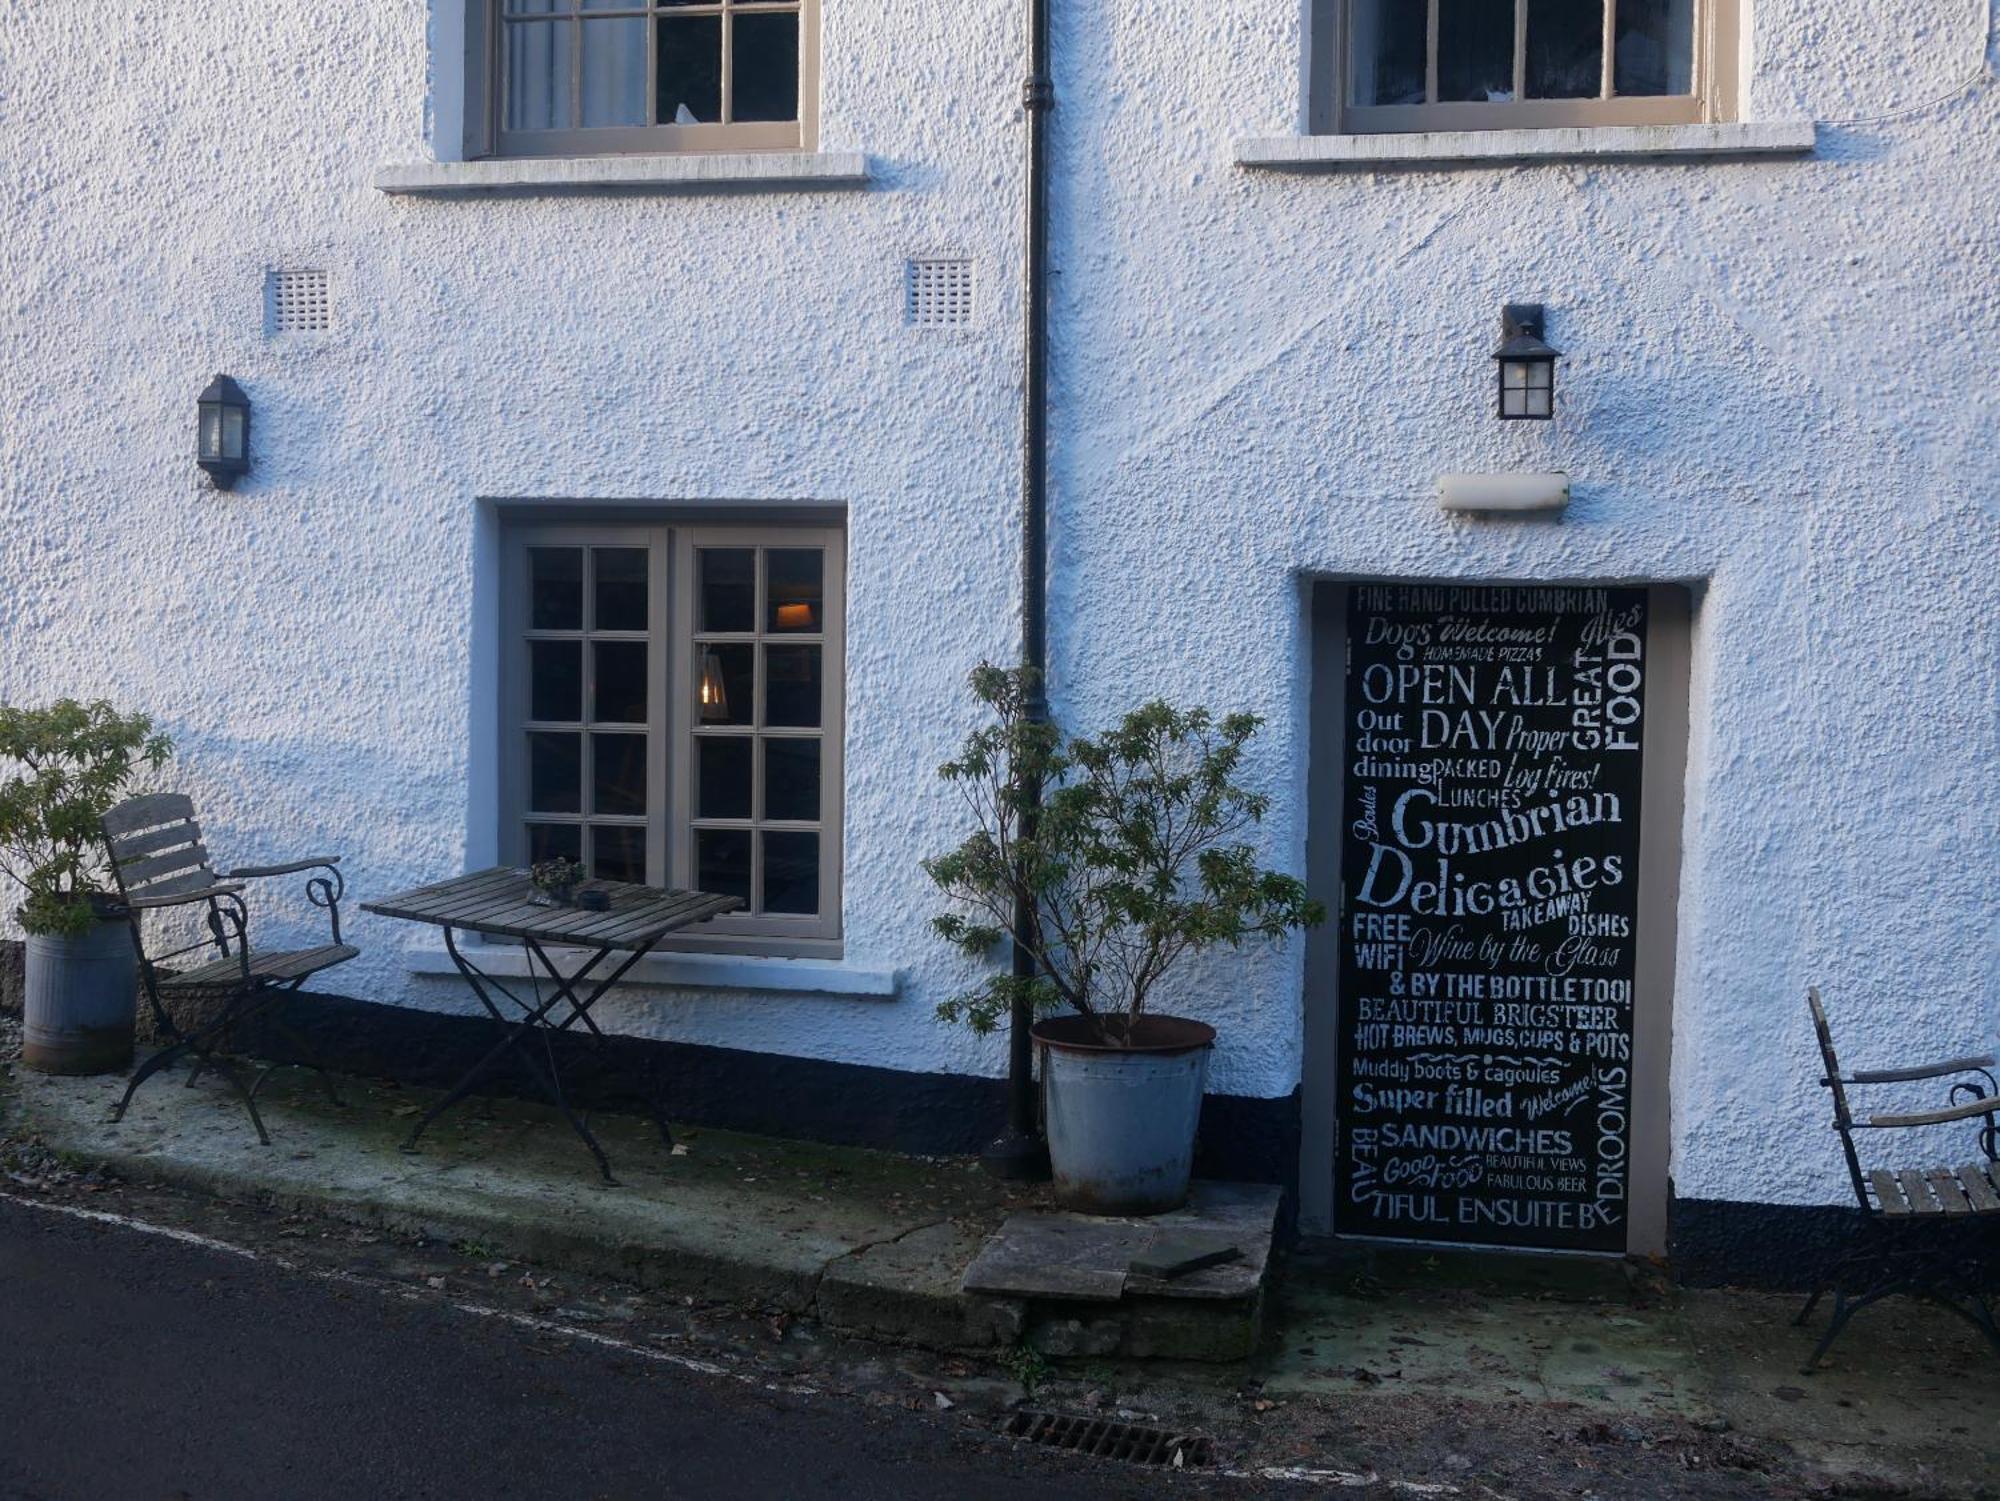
<point x="79" y="1001"/>
<point x="1121" y="1119"/>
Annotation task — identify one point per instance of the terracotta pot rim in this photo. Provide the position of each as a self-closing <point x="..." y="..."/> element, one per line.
<point x="1154" y="1035"/>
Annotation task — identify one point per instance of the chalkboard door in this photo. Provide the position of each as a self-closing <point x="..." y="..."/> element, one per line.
<point x="1492" y="743"/>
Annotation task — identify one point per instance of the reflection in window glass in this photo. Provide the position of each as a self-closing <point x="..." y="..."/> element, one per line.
<point x="791" y="872"/>
<point x="1565" y="49"/>
<point x="722" y="776"/>
<point x="690" y="70"/>
<point x="728" y="588"/>
<point x="1475" y="50"/>
<point x="791" y="778"/>
<point x="555" y="771"/>
<point x="555" y="588"/>
<point x="1388" y="50"/>
<point x="620" y="692"/>
<point x="791" y="686"/>
<point x="722" y="862"/>
<point x="555" y="680"/>
<point x="1655" y="47"/>
<point x="620" y="588"/>
<point x="551" y="841"/>
<point x="618" y="774"/>
<point x="764" y="66"/>
<point x="618" y="852"/>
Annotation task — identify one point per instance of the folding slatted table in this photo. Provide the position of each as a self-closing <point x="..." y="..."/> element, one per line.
<point x="502" y="903"/>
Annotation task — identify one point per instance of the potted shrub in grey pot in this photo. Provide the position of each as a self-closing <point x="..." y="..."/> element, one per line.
<point x="65" y="766"/>
<point x="1111" y="859"/>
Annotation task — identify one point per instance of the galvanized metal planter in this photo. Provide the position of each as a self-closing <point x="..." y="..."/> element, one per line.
<point x="79" y="1000"/>
<point x="1121" y="1119"/>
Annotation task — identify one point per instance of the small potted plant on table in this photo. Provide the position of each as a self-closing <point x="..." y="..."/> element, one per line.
<point x="68" y="765"/>
<point x="555" y="881"/>
<point x="1109" y="859"/>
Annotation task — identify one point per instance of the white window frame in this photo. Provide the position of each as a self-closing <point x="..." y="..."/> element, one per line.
<point x="1332" y="69"/>
<point x="486" y="135"/>
<point x="672" y="724"/>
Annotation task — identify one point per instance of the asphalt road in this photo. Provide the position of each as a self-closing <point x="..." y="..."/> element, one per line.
<point x="137" y="1366"/>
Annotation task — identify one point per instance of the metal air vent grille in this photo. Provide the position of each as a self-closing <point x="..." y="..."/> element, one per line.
<point x="296" y="302"/>
<point x="937" y="292"/>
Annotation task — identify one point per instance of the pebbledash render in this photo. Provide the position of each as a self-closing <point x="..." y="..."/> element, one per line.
<point x="635" y="474"/>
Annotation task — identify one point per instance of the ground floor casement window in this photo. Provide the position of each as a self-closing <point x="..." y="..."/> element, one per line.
<point x="671" y="713"/>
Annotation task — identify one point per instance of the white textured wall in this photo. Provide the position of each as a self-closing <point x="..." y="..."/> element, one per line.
<point x="1779" y="381"/>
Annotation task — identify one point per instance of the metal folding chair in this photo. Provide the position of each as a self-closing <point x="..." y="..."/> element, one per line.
<point x="1931" y="1232"/>
<point x="159" y="862"/>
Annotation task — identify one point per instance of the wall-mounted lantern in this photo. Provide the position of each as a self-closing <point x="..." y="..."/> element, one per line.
<point x="1527" y="365"/>
<point x="222" y="432"/>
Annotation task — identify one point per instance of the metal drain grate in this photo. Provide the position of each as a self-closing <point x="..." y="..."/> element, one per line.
<point x="296" y="302"/>
<point x="1100" y="1437"/>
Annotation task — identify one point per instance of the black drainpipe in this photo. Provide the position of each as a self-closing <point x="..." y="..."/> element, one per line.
<point x="1019" y="1151"/>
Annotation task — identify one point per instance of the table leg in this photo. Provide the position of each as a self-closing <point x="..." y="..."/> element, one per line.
<point x="550" y="1079"/>
<point x="580" y="1011"/>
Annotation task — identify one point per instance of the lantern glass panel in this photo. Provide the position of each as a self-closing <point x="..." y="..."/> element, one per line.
<point x="232" y="432"/>
<point x="210" y="441"/>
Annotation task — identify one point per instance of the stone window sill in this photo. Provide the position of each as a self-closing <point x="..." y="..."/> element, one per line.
<point x="1449" y="149"/>
<point x="834" y="977"/>
<point x="711" y="172"/>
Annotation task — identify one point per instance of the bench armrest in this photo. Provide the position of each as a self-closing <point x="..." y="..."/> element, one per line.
<point x="1984" y="1105"/>
<point x="178" y="898"/>
<point x="290" y="867"/>
<point x="1921" y="1071"/>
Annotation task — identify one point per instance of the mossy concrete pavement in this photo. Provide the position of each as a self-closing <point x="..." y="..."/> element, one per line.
<point x="867" y="1241"/>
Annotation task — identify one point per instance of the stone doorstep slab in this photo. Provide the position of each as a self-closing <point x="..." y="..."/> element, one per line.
<point x="1056" y="1256"/>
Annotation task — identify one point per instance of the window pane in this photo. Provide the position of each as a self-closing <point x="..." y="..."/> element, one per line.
<point x="765" y="66"/>
<point x="1476" y="50"/>
<point x="555" y="588"/>
<point x="618" y="774"/>
<point x="722" y="862"/>
<point x="614" y="72"/>
<point x="1388" y="51"/>
<point x="791" y="778"/>
<point x="620" y="695"/>
<point x="618" y="852"/>
<point x="723" y="684"/>
<point x="553" y="841"/>
<point x="1565" y="49"/>
<point x="791" y="685"/>
<point x="728" y="588"/>
<point x="555" y="680"/>
<point x="690" y="70"/>
<point x="621" y="589"/>
<point x="723" y="789"/>
<point x="791" y="872"/>
<point x="537" y="65"/>
<point x="555" y="772"/>
<point x="792" y="588"/>
<point x="1655" y="49"/>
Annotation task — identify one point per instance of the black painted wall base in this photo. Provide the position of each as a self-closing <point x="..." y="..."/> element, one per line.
<point x="1242" y="1139"/>
<point x="1711" y="1243"/>
<point x="1782" y="1247"/>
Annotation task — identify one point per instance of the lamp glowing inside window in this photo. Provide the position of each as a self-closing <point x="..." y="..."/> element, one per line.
<point x="714" y="689"/>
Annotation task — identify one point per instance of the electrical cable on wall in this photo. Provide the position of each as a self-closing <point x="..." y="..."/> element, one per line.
<point x="1982" y="72"/>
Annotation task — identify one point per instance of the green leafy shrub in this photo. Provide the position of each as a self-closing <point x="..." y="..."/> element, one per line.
<point x="69" y="764"/>
<point x="1124" y="850"/>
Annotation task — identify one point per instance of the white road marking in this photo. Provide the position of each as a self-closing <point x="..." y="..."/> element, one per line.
<point x="409" y="1294"/>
